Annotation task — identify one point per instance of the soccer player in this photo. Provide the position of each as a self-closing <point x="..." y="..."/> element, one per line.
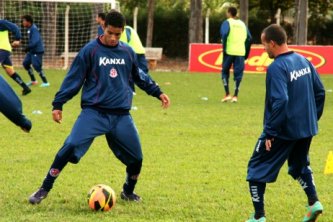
<point x="11" y="106"/>
<point x="236" y="40"/>
<point x="294" y="103"/>
<point x="100" y="19"/>
<point x="103" y="69"/>
<point x="6" y="49"/>
<point x="131" y="37"/>
<point x="35" y="51"/>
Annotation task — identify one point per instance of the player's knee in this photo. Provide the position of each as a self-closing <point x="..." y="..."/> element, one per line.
<point x="26" y="65"/>
<point x="134" y="168"/>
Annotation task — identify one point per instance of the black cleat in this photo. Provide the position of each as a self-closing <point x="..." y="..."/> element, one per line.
<point x="130" y="197"/>
<point x="38" y="196"/>
<point x="26" y="91"/>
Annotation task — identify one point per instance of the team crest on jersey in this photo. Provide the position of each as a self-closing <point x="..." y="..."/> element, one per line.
<point x="113" y="73"/>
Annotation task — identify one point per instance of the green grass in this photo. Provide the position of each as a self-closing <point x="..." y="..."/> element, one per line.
<point x="195" y="157"/>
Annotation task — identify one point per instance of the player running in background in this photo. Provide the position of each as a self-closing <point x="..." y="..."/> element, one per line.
<point x="131" y="37"/>
<point x="100" y="19"/>
<point x="35" y="51"/>
<point x="236" y="40"/>
<point x="294" y="103"/>
<point x="6" y="49"/>
<point x="11" y="106"/>
<point x="103" y="69"/>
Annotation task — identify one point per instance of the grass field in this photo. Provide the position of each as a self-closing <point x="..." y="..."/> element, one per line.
<point x="195" y="157"/>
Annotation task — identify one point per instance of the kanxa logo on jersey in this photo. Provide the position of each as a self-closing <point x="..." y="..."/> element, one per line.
<point x="208" y="58"/>
<point x="103" y="61"/>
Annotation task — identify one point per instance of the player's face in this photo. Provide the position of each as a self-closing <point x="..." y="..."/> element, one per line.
<point x="25" y="23"/>
<point x="268" y="46"/>
<point x="112" y="35"/>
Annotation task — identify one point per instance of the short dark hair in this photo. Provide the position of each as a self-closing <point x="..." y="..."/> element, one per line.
<point x="275" y="33"/>
<point x="115" y="18"/>
<point x="101" y="15"/>
<point x="233" y="11"/>
<point x="28" y="18"/>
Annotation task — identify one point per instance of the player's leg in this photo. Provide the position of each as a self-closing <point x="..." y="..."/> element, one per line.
<point x="89" y="124"/>
<point x="299" y="169"/>
<point x="37" y="63"/>
<point x="238" y="75"/>
<point x="27" y="66"/>
<point x="226" y="65"/>
<point x="11" y="106"/>
<point x="124" y="142"/>
<point x="8" y="66"/>
<point x="264" y="167"/>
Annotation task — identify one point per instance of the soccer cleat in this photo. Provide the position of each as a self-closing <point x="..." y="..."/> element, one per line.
<point x="226" y="98"/>
<point x="252" y="219"/>
<point x="26" y="91"/>
<point x="234" y="99"/>
<point x="313" y="212"/>
<point x="38" y="196"/>
<point x="130" y="197"/>
<point x="45" y="84"/>
<point x="32" y="83"/>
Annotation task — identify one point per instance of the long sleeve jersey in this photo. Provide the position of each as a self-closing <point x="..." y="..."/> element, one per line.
<point x="35" y="44"/>
<point x="295" y="98"/>
<point x="5" y="27"/>
<point x="104" y="72"/>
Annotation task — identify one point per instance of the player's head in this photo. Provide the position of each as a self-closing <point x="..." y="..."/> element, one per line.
<point x="232" y="12"/>
<point x="27" y="20"/>
<point x="113" y="27"/>
<point x="273" y="37"/>
<point x="100" y="18"/>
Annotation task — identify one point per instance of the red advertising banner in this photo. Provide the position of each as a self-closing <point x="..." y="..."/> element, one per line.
<point x="208" y="58"/>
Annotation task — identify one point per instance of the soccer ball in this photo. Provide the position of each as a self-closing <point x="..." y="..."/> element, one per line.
<point x="101" y="198"/>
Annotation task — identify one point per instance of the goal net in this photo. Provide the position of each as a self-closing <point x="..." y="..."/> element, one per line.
<point x="65" y="26"/>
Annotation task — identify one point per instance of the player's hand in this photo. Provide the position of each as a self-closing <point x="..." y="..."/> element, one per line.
<point x="268" y="144"/>
<point x="16" y="43"/>
<point x="57" y="115"/>
<point x="165" y="101"/>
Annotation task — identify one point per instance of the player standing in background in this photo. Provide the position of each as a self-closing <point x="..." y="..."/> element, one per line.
<point x="6" y="49"/>
<point x="35" y="51"/>
<point x="294" y="103"/>
<point x="131" y="37"/>
<point x="236" y="40"/>
<point x="103" y="69"/>
<point x="11" y="106"/>
<point x="100" y="19"/>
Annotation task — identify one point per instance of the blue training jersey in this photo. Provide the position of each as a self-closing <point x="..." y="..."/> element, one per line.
<point x="294" y="100"/>
<point x="9" y="26"/>
<point x="104" y="72"/>
<point x="35" y="44"/>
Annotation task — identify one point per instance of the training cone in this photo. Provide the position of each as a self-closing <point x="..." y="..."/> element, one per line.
<point x="329" y="163"/>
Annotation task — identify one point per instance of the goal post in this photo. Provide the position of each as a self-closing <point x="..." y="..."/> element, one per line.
<point x="65" y="26"/>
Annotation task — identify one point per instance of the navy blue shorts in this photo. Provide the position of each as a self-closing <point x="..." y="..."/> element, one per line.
<point x="264" y="166"/>
<point x="35" y="59"/>
<point x="119" y="130"/>
<point x="5" y="60"/>
<point x="238" y="66"/>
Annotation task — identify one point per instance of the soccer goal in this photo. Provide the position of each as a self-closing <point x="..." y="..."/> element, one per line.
<point x="65" y="26"/>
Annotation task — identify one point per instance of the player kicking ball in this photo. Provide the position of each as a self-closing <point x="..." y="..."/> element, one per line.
<point x="103" y="69"/>
<point x="294" y="103"/>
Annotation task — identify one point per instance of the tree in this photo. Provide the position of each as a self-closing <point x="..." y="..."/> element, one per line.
<point x="244" y="11"/>
<point x="195" y="23"/>
<point x="150" y="23"/>
<point x="301" y="22"/>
